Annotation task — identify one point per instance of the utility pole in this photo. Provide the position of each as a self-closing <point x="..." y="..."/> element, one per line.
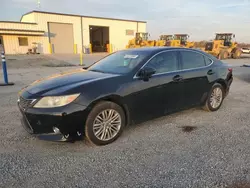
<point x="38" y="4"/>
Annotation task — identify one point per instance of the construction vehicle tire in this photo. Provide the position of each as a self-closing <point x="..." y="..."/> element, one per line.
<point x="236" y="54"/>
<point x="223" y="55"/>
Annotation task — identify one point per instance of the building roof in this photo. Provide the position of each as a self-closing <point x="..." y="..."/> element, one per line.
<point x="55" y="13"/>
<point x="18" y="22"/>
<point x="21" y="32"/>
<point x="38" y="31"/>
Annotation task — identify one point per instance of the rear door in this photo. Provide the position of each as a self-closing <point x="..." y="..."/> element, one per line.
<point x="196" y="70"/>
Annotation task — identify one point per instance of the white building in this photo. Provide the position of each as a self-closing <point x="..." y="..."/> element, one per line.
<point x="66" y="33"/>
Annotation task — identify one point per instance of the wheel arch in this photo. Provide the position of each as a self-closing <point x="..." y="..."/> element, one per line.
<point x="223" y="83"/>
<point x="115" y="99"/>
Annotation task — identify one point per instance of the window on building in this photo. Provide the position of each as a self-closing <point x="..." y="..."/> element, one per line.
<point x="23" y="41"/>
<point x="130" y="32"/>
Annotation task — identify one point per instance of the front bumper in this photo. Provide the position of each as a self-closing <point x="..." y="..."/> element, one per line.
<point x="53" y="136"/>
<point x="58" y="124"/>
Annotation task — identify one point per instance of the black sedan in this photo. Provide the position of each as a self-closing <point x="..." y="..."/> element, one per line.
<point x="128" y="86"/>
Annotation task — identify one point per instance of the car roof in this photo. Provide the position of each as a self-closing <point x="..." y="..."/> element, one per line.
<point x="156" y="49"/>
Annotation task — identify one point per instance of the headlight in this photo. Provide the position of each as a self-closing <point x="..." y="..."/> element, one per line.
<point x="55" y="101"/>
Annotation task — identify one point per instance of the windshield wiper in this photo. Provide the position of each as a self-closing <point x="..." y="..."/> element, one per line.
<point x="85" y="67"/>
<point x="96" y="71"/>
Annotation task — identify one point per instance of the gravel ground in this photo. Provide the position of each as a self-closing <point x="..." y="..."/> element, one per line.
<point x="214" y="152"/>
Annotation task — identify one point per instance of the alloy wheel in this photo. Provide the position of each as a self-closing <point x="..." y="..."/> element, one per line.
<point x="107" y="124"/>
<point x="216" y="97"/>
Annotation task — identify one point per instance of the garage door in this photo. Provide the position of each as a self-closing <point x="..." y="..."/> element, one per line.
<point x="61" y="37"/>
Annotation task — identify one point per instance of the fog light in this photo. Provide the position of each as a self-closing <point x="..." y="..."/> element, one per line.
<point x="56" y="130"/>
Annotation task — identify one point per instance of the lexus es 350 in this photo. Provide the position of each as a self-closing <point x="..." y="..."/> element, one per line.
<point x="125" y="87"/>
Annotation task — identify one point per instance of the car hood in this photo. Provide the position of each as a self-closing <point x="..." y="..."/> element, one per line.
<point x="65" y="79"/>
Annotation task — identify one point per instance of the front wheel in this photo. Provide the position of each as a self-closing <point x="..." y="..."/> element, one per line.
<point x="215" y="98"/>
<point x="223" y="55"/>
<point x="237" y="54"/>
<point x="104" y="123"/>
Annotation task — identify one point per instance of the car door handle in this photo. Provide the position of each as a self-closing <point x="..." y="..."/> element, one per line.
<point x="177" y="78"/>
<point x="210" y="72"/>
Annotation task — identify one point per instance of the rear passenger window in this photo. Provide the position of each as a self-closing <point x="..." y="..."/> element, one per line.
<point x="192" y="60"/>
<point x="207" y="60"/>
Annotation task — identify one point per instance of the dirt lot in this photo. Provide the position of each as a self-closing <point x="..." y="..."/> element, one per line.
<point x="158" y="153"/>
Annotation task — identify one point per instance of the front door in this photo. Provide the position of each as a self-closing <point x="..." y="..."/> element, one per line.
<point x="195" y="74"/>
<point x="157" y="96"/>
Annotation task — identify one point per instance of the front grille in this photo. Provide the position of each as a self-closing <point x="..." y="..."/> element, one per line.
<point x="209" y="46"/>
<point x="25" y="103"/>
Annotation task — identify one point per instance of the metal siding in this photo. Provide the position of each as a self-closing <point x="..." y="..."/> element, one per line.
<point x="75" y="15"/>
<point x="20" y="26"/>
<point x="11" y="44"/>
<point x="16" y="32"/>
<point x="142" y="27"/>
<point x="61" y="37"/>
<point x="28" y="18"/>
<point x="117" y="30"/>
<point x="43" y="19"/>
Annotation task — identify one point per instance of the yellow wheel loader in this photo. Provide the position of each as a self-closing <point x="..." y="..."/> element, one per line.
<point x="164" y="40"/>
<point x="183" y="38"/>
<point x="168" y="40"/>
<point x="223" y="46"/>
<point x="140" y="40"/>
<point x="176" y="40"/>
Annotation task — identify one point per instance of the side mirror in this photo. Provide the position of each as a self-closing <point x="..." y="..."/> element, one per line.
<point x="146" y="73"/>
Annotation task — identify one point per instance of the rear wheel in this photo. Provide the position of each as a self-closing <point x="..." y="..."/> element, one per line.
<point x="215" y="98"/>
<point x="104" y="123"/>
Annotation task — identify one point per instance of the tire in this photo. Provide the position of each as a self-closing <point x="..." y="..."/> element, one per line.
<point x="237" y="53"/>
<point x="223" y="55"/>
<point x="91" y="119"/>
<point x="208" y="106"/>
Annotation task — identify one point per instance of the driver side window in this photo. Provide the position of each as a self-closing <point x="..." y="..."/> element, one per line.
<point x="164" y="62"/>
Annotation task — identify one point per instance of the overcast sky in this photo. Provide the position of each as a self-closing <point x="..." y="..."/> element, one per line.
<point x="199" y="18"/>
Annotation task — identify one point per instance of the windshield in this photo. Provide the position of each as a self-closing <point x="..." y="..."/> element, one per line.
<point x="166" y="37"/>
<point x="223" y="37"/>
<point x="119" y="62"/>
<point x="181" y="37"/>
